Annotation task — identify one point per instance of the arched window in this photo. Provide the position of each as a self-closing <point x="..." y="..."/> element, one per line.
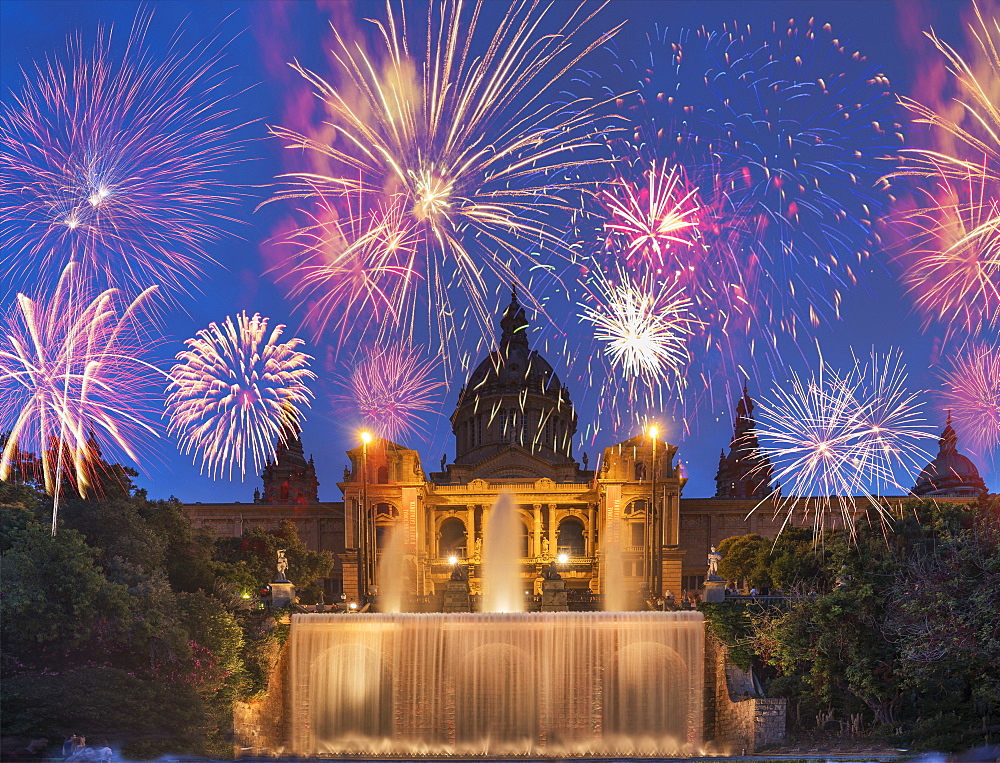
<point x="524" y="540"/>
<point x="386" y="511"/>
<point x="453" y="539"/>
<point x="640" y="471"/>
<point x="382" y="475"/>
<point x="570" y="538"/>
<point x="638" y="506"/>
<point x="284" y="491"/>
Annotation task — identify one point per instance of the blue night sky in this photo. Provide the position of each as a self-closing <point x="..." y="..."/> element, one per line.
<point x="876" y="313"/>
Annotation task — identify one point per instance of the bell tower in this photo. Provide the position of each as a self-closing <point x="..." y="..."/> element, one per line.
<point x="745" y="472"/>
<point x="290" y="478"/>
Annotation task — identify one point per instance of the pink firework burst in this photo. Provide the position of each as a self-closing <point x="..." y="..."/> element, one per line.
<point x="972" y="392"/>
<point x="394" y="390"/>
<point x="72" y="378"/>
<point x="116" y="161"/>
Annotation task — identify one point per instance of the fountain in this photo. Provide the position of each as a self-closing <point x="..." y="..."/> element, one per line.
<point x="391" y="573"/>
<point x="503" y="589"/>
<point x="499" y="682"/>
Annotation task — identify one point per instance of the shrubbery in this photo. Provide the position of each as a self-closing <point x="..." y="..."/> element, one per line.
<point x="908" y="643"/>
<point x="130" y="625"/>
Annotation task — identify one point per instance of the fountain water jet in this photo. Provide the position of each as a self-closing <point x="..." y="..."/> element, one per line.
<point x="615" y="597"/>
<point x="503" y="588"/>
<point x="391" y="580"/>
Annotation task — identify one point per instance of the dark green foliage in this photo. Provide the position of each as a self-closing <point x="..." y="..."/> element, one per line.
<point x="910" y="639"/>
<point x="251" y="559"/>
<point x="129" y="624"/>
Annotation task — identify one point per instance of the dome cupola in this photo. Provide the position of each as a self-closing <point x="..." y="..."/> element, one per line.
<point x="514" y="398"/>
<point x="951" y="473"/>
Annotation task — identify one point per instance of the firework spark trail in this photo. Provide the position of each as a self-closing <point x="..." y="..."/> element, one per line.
<point x="843" y="437"/>
<point x="797" y="129"/>
<point x="647" y="221"/>
<point x="644" y="324"/>
<point x="394" y="390"/>
<point x="70" y="372"/>
<point x="355" y="266"/>
<point x="972" y="393"/>
<point x="473" y="144"/>
<point x="954" y="267"/>
<point x="236" y="392"/>
<point x="116" y="161"/>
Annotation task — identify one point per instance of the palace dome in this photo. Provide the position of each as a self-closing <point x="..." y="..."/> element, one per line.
<point x="951" y="473"/>
<point x="514" y="398"/>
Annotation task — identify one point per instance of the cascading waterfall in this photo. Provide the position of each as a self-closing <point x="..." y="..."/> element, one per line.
<point x="623" y="683"/>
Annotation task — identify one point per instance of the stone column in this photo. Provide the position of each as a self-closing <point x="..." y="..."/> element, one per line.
<point x="538" y="530"/>
<point x="591" y="529"/>
<point x="552" y="529"/>
<point x="470" y="530"/>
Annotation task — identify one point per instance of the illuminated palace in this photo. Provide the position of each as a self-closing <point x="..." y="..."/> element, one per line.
<point x="514" y="426"/>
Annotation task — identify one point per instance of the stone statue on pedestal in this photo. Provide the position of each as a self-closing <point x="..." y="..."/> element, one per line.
<point x="282" y="566"/>
<point x="714" y="557"/>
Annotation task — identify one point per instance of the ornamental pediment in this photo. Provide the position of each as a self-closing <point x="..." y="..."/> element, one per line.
<point x="514" y="463"/>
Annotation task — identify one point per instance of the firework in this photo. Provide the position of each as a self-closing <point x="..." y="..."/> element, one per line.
<point x="647" y="221"/>
<point x="393" y="390"/>
<point x="972" y="393"/>
<point x="474" y="147"/>
<point x="794" y="130"/>
<point x="236" y="392"/>
<point x="71" y="380"/>
<point x="954" y="268"/>
<point x="355" y="267"/>
<point x="644" y="325"/>
<point x="843" y="437"/>
<point x="115" y="161"/>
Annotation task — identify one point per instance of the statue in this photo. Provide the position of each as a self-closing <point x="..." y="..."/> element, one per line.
<point x="545" y="546"/>
<point x="586" y="461"/>
<point x="347" y="474"/>
<point x="282" y="566"/>
<point x="714" y="557"/>
<point x="479" y="547"/>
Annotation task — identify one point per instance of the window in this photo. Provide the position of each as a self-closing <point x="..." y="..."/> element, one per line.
<point x="638" y="536"/>
<point x="386" y="510"/>
<point x="640" y="471"/>
<point x="570" y="539"/>
<point x="382" y="475"/>
<point x="452" y="538"/>
<point x="636" y="507"/>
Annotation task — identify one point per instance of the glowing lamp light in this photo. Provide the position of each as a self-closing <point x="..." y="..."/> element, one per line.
<point x="562" y="558"/>
<point x="354" y="605"/>
<point x="452" y="560"/>
<point x="653" y="432"/>
<point x="245" y="596"/>
<point x="366" y="437"/>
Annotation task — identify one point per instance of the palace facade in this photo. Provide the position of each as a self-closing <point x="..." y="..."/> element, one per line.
<point x="514" y="425"/>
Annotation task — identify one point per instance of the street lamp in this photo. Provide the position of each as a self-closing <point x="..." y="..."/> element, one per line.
<point x="363" y="528"/>
<point x="452" y="560"/>
<point x="653" y="542"/>
<point x="562" y="558"/>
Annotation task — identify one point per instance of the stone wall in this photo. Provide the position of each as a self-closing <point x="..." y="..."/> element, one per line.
<point x="737" y="717"/>
<point x="260" y="728"/>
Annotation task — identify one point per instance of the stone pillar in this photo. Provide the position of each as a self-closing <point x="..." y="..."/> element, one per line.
<point x="470" y="530"/>
<point x="552" y="530"/>
<point x="592" y="530"/>
<point x="538" y="530"/>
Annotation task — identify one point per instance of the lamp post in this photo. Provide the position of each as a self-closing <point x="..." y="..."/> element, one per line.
<point x="362" y="529"/>
<point x="653" y="539"/>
